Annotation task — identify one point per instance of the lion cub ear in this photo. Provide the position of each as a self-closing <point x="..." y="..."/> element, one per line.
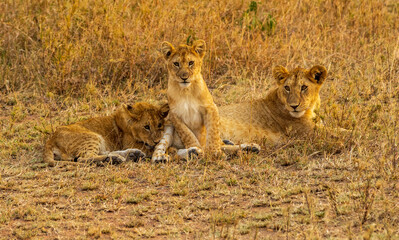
<point x="167" y="49"/>
<point x="164" y="110"/>
<point x="131" y="111"/>
<point x="317" y="74"/>
<point x="199" y="47"/>
<point x="128" y="107"/>
<point x="280" y="73"/>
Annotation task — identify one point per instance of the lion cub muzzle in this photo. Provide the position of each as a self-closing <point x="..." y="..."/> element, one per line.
<point x="184" y="77"/>
<point x="296" y="108"/>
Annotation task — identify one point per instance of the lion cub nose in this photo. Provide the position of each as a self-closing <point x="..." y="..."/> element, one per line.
<point x="294" y="106"/>
<point x="184" y="76"/>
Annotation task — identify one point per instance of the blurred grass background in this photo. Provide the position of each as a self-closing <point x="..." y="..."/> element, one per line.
<point x="61" y="46"/>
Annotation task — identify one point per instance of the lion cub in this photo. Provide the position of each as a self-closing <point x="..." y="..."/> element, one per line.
<point x="193" y="114"/>
<point x="287" y="110"/>
<point x="128" y="134"/>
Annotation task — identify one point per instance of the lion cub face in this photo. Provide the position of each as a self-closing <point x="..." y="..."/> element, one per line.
<point x="144" y="121"/>
<point x="299" y="89"/>
<point x="184" y="62"/>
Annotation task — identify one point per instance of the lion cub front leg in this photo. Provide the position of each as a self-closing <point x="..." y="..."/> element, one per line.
<point x="232" y="149"/>
<point x="187" y="137"/>
<point x="159" y="154"/>
<point x="213" y="140"/>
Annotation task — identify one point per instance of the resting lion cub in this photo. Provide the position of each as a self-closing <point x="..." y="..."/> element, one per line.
<point x="128" y="134"/>
<point x="193" y="114"/>
<point x="287" y="110"/>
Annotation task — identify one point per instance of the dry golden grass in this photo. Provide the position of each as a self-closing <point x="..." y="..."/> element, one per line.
<point x="62" y="61"/>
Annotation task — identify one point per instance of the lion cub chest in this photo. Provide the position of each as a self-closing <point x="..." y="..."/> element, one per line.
<point x="189" y="111"/>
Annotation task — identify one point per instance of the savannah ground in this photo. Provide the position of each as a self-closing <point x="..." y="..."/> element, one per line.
<point x="64" y="61"/>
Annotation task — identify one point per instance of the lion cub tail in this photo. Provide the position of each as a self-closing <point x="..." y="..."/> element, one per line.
<point x="48" y="155"/>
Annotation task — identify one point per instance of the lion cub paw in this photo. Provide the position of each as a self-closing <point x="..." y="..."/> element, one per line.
<point x="250" y="147"/>
<point x="134" y="155"/>
<point x="160" y="158"/>
<point x="228" y="142"/>
<point x="195" y="152"/>
<point x="190" y="153"/>
<point x="114" y="159"/>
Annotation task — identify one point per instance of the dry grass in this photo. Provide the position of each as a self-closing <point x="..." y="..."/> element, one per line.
<point x="62" y="61"/>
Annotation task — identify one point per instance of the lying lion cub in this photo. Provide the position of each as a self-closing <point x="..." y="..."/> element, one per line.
<point x="193" y="114"/>
<point x="128" y="134"/>
<point x="287" y="110"/>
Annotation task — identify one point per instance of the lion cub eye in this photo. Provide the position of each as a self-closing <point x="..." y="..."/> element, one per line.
<point x="191" y="63"/>
<point x="287" y="88"/>
<point x="176" y="64"/>
<point x="147" y="127"/>
<point x="304" y="87"/>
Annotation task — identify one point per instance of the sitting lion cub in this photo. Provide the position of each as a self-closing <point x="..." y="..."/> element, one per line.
<point x="124" y="135"/>
<point x="287" y="110"/>
<point x="193" y="114"/>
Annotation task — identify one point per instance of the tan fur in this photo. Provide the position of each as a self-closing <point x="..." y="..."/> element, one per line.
<point x="100" y="139"/>
<point x="193" y="113"/>
<point x="194" y="118"/>
<point x="287" y="110"/>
